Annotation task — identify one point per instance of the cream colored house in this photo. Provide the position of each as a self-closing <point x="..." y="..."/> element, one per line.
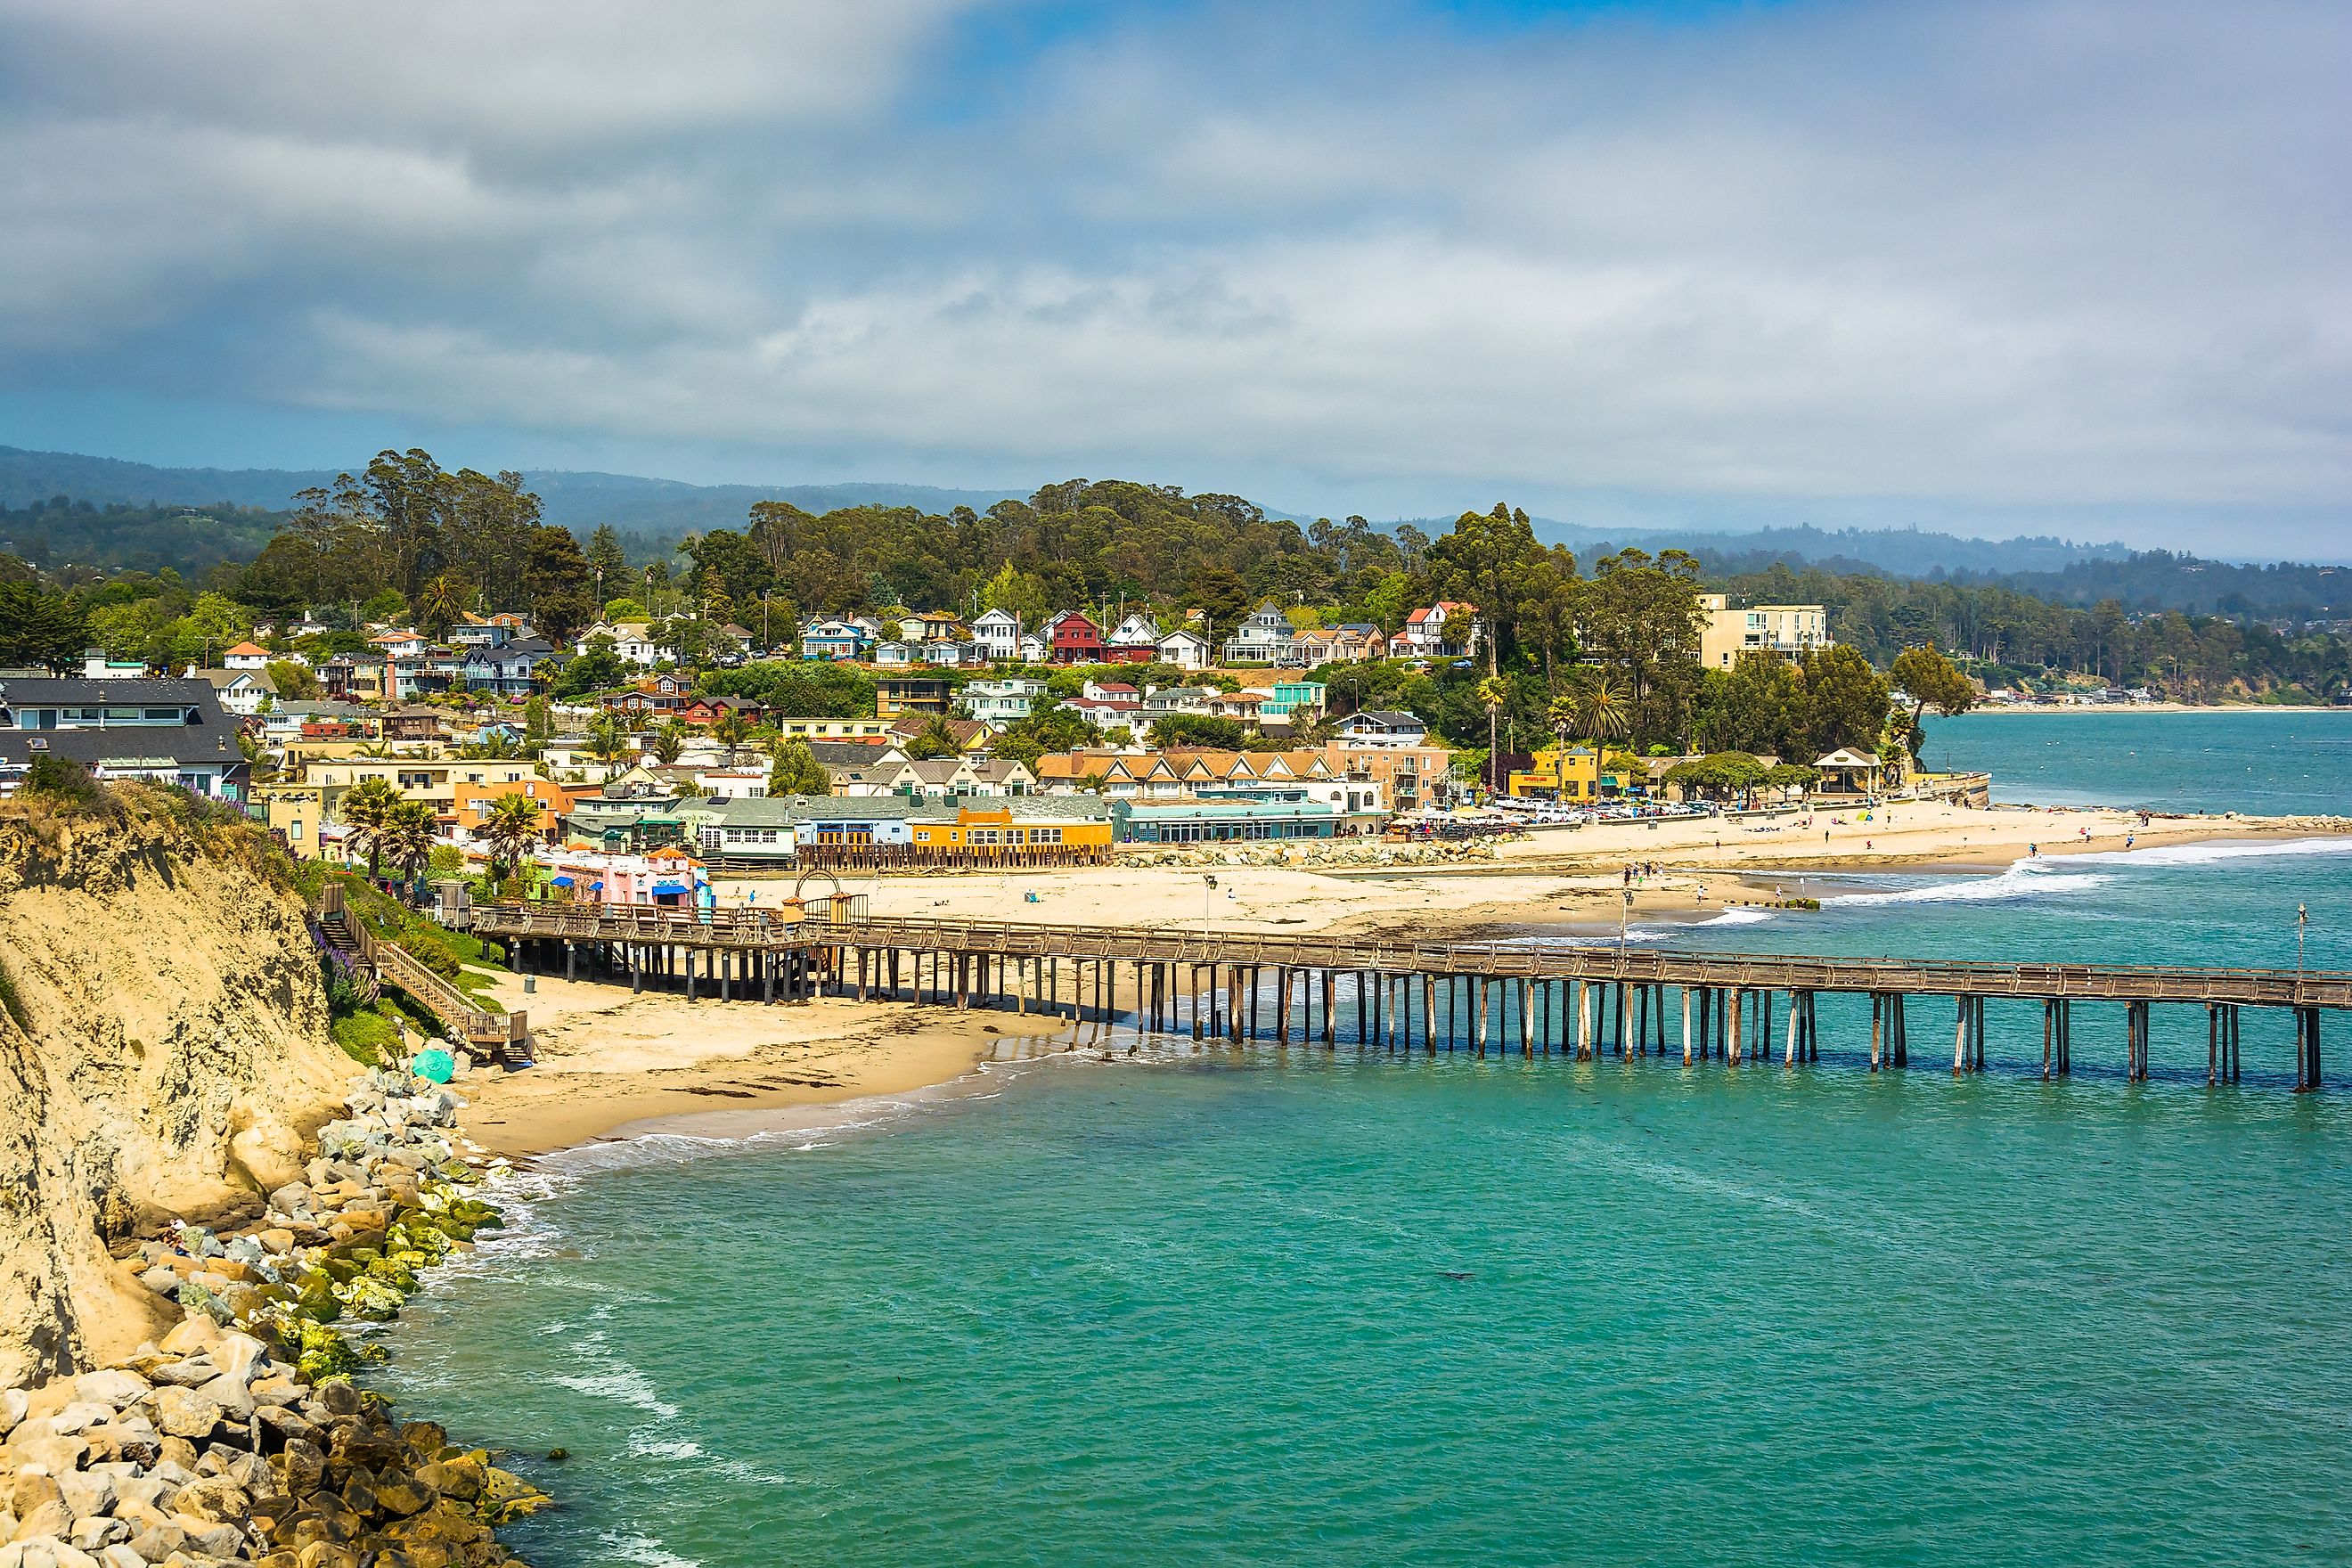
<point x="1779" y="631"/>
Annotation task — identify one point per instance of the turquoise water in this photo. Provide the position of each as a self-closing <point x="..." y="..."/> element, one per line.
<point x="1202" y="1309"/>
<point x="2266" y="762"/>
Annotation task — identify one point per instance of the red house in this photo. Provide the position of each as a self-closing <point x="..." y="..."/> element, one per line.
<point x="710" y="710"/>
<point x="1075" y="639"/>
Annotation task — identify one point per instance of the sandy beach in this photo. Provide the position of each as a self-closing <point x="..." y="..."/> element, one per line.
<point x="1550" y="874"/>
<point x="608" y="1060"/>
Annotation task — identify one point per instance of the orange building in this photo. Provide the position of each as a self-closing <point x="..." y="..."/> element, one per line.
<point x="474" y="802"/>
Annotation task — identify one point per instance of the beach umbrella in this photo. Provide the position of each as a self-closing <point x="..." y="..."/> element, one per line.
<point x="434" y="1065"/>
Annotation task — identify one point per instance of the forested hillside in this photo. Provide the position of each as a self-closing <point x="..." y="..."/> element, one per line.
<point x="1603" y="646"/>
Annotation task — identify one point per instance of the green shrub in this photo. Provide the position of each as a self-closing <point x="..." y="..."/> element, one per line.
<point x="431" y="948"/>
<point x="366" y="1038"/>
<point x="62" y="782"/>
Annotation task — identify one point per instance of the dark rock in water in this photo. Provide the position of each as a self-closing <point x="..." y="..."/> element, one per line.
<point x="401" y="1495"/>
<point x="559" y="1454"/>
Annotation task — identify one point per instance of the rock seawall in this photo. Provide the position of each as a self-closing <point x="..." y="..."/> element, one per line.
<point x="163" y="1052"/>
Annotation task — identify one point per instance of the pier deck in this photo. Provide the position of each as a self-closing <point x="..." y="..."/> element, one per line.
<point x="1019" y="964"/>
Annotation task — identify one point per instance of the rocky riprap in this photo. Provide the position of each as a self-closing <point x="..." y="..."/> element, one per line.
<point x="240" y="1438"/>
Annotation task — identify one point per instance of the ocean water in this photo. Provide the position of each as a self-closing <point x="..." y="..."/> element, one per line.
<point x="2265" y="761"/>
<point x="1313" y="1306"/>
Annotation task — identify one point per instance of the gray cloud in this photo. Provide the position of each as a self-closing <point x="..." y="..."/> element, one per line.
<point x="2026" y="262"/>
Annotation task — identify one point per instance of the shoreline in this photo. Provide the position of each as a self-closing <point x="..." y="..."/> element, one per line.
<point x="2155" y="708"/>
<point x="610" y="1062"/>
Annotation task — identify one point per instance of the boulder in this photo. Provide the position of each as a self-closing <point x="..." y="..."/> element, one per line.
<point x="58" y="1455"/>
<point x="116" y="1388"/>
<point x="29" y="1491"/>
<point x="400" y="1495"/>
<point x="12" y="1405"/>
<point x="131" y="1439"/>
<point x="216" y="1539"/>
<point x="52" y="1518"/>
<point x="238" y="1354"/>
<point x="188" y="1374"/>
<point x="302" y="1466"/>
<point x="96" y="1532"/>
<point x="157" y="1543"/>
<point x="191" y="1337"/>
<point x="184" y="1413"/>
<point x="139" y="1517"/>
<point x="214" y="1500"/>
<point x="87" y="1492"/>
<point x="79" y="1416"/>
<point x="235" y="1401"/>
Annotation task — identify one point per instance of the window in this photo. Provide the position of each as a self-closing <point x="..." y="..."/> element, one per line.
<point x="1045" y="836"/>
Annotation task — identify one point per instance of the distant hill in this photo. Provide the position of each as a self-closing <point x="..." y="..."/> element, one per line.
<point x="121" y="514"/>
<point x="1902" y="552"/>
<point x="652" y="507"/>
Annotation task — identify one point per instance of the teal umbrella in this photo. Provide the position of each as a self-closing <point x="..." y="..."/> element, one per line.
<point x="434" y="1065"/>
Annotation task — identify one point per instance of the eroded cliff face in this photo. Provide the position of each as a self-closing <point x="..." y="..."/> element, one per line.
<point x="164" y="1051"/>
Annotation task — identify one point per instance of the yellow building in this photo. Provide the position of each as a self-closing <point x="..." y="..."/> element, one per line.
<point x="1573" y="775"/>
<point x="1777" y="631"/>
<point x="1033" y="822"/>
<point x="294" y="812"/>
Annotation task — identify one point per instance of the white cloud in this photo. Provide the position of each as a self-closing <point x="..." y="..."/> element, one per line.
<point x="2003" y="256"/>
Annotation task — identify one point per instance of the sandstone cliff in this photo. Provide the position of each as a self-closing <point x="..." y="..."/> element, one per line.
<point x="163" y="1050"/>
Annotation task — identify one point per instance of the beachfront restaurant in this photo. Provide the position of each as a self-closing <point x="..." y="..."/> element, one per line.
<point x="1223" y="821"/>
<point x="666" y="879"/>
<point x="749" y="834"/>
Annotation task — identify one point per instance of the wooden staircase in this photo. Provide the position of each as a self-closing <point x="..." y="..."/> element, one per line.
<point x="505" y="1036"/>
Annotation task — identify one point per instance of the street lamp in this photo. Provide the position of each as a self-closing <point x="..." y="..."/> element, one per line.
<point x="2301" y="921"/>
<point x="1209" y="880"/>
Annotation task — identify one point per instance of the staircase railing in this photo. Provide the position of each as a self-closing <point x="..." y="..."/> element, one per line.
<point x="504" y="1032"/>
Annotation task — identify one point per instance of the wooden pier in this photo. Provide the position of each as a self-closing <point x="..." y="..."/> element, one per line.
<point x="1587" y="1000"/>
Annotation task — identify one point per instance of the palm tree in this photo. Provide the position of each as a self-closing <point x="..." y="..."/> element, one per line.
<point x="367" y="806"/>
<point x="669" y="742"/>
<point x="608" y="741"/>
<point x="511" y="827"/>
<point x="438" y="607"/>
<point x="407" y="836"/>
<point x="1493" y="693"/>
<point x="1606" y="713"/>
<point x="730" y="730"/>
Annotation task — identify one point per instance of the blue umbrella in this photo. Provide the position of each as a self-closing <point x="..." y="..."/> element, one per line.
<point x="434" y="1065"/>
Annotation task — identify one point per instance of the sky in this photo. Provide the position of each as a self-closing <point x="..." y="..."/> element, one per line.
<point x="2074" y="268"/>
